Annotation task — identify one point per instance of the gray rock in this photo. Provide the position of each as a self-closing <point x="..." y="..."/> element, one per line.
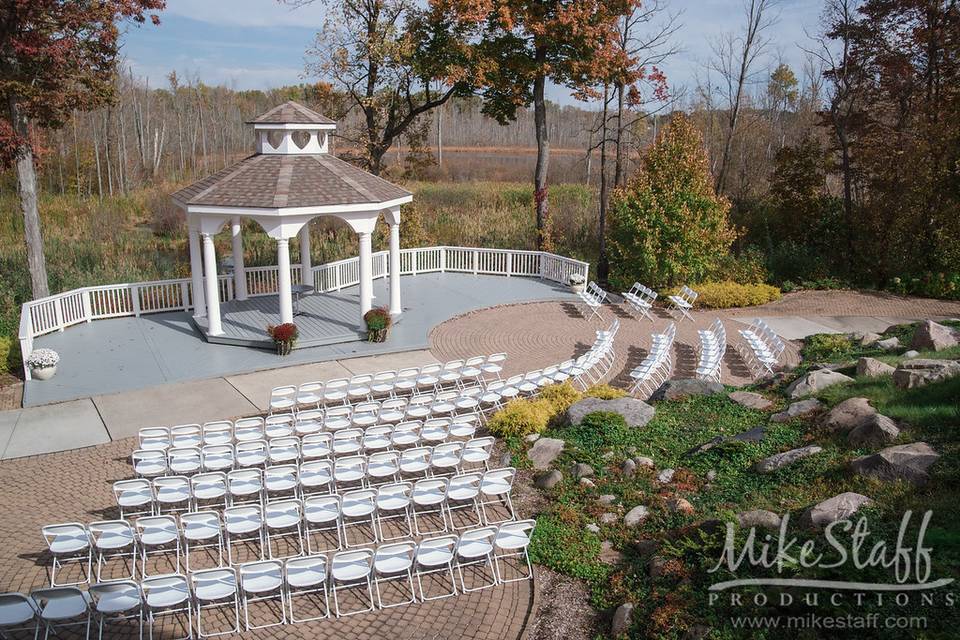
<point x="581" y="470"/>
<point x="608" y="518"/>
<point x="587" y="482"/>
<point x="869" y="339"/>
<point x="751" y="435"/>
<point x="848" y="414"/>
<point x="657" y="565"/>
<point x="751" y="400"/>
<point x="636" y="515"/>
<point x="760" y="518"/>
<point x="931" y="336"/>
<point x="636" y="413"/>
<point x="875" y="431"/>
<point x="665" y="476"/>
<point x="532" y="437"/>
<point x="643" y="461"/>
<point x="608" y="554"/>
<point x="646" y="547"/>
<point x="890" y="344"/>
<point x="872" y="368"/>
<point x="903" y="462"/>
<point x="548" y="479"/>
<point x="711" y="475"/>
<point x="680" y="505"/>
<point x="685" y="388"/>
<point x="622" y="619"/>
<point x="922" y="371"/>
<point x="836" y="508"/>
<point x="629" y="468"/>
<point x="607" y="455"/>
<point x="544" y="451"/>
<point x="780" y="460"/>
<point x="816" y="381"/>
<point x="798" y="410"/>
<point x="607" y="499"/>
<point x="911" y="354"/>
<point x="592" y="528"/>
<point x="506" y="460"/>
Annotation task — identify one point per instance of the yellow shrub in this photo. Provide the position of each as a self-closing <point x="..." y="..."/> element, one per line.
<point x="727" y="294"/>
<point x="560" y="396"/>
<point x="604" y="392"/>
<point x="6" y="345"/>
<point x="521" y="417"/>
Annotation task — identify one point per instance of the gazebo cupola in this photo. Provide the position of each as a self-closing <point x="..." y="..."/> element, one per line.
<point x="290" y="180"/>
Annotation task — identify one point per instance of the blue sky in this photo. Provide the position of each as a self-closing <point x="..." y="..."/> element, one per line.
<point x="250" y="44"/>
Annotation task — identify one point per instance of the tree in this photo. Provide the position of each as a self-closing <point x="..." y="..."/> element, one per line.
<point x="523" y="44"/>
<point x="56" y="56"/>
<point x="394" y="61"/>
<point x="668" y="226"/>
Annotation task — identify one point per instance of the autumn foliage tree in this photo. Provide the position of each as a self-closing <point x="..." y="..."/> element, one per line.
<point x="523" y="44"/>
<point x="668" y="226"/>
<point x="56" y="57"/>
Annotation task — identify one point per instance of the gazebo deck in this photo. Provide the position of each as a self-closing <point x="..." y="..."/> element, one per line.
<point x="324" y="318"/>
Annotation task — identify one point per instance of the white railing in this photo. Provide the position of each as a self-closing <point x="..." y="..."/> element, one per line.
<point x="56" y="313"/>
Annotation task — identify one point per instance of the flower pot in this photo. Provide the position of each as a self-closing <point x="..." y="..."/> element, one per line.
<point x="284" y="348"/>
<point x="43" y="373"/>
<point x="377" y="335"/>
<point x="577" y="288"/>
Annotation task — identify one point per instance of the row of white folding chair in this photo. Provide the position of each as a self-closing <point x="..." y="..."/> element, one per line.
<point x="190" y="460"/>
<point x="684" y="301"/>
<point x="713" y="346"/>
<point x="215" y="432"/>
<point x="392" y="383"/>
<point x="264" y="523"/>
<point x="641" y="298"/>
<point x="183" y="493"/>
<point x="656" y="366"/>
<point x="764" y="346"/>
<point x="592" y="298"/>
<point x="234" y="588"/>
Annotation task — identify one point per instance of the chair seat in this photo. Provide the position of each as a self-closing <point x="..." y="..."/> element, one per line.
<point x="68" y="544"/>
<point x="167" y="597"/>
<point x="137" y="498"/>
<point x="317" y="514"/>
<point x="302" y="577"/>
<point x="358" y="509"/>
<point x="494" y="486"/>
<point x="65" y="608"/>
<point x="350" y="571"/>
<point x="261" y="582"/>
<point x="460" y="494"/>
<point x="392" y="502"/>
<point x="200" y="531"/>
<point x="15" y="613"/>
<point x="434" y="557"/>
<point x="115" y="539"/>
<point x="348" y="475"/>
<point x="474" y="549"/>
<point x="392" y="564"/>
<point x="118" y="602"/>
<point x="511" y="540"/>
<point x="282" y="521"/>
<point x="414" y="467"/>
<point x="153" y="538"/>
<point x="214" y="591"/>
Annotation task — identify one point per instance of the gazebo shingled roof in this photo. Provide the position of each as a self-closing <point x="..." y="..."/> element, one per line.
<point x="291" y="113"/>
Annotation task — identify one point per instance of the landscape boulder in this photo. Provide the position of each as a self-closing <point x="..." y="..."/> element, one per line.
<point x="629" y="468"/>
<point x="907" y="462"/>
<point x="890" y="344"/>
<point x="836" y="508"/>
<point x="544" y="451"/>
<point x="869" y="339"/>
<point x="581" y="470"/>
<point x="913" y="353"/>
<point x="548" y="479"/>
<point x="798" y="409"/>
<point x="760" y="518"/>
<point x="753" y="435"/>
<point x="643" y="461"/>
<point x="922" y="371"/>
<point x="622" y="619"/>
<point x="815" y="381"/>
<point x="932" y="336"/>
<point x="781" y="460"/>
<point x="636" y="515"/>
<point x="665" y="476"/>
<point x="848" y="414"/>
<point x="751" y="400"/>
<point x="680" y="505"/>
<point x="872" y="368"/>
<point x="685" y="388"/>
<point x="608" y="518"/>
<point x="636" y="413"/>
<point x="608" y="554"/>
<point x="875" y="431"/>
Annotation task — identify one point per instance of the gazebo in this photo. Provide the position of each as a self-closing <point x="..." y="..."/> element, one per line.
<point x="290" y="180"/>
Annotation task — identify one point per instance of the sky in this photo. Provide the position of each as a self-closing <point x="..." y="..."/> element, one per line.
<point x="259" y="44"/>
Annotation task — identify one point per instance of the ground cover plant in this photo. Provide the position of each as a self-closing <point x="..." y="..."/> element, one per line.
<point x="663" y="564"/>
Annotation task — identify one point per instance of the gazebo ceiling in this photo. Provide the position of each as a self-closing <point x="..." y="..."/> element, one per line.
<point x="280" y="181"/>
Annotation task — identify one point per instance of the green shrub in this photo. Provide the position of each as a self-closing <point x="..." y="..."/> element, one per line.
<point x="521" y="417"/>
<point x="728" y="294"/>
<point x="6" y="352"/>
<point x="604" y="392"/>
<point x="826" y="346"/>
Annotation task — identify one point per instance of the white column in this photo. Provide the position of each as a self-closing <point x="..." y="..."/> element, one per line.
<point x="214" y="328"/>
<point x="196" y="274"/>
<point x="366" y="274"/>
<point x="239" y="271"/>
<point x="395" y="307"/>
<point x="306" y="265"/>
<point x="283" y="267"/>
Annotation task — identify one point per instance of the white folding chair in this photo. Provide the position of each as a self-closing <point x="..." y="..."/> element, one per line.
<point x="430" y="495"/>
<point x="406" y="381"/>
<point x="393" y="563"/>
<point x="172" y="493"/>
<point x="316" y="446"/>
<point x="365" y="414"/>
<point x="462" y="494"/>
<point x="243" y="524"/>
<point x="446" y="459"/>
<point x="349" y="471"/>
<point x="310" y="395"/>
<point x="347" y="442"/>
<point x="17" y="613"/>
<point x="215" y="589"/>
<point x="475" y="549"/>
<point x="393" y="503"/>
<point x="429" y="376"/>
<point x="405" y="434"/>
<point x="359" y="387"/>
<point x="251" y="454"/>
<point x="382" y="383"/>
<point x="167" y="595"/>
<point x="209" y="490"/>
<point x="221" y="457"/>
<point x="134" y="497"/>
<point x="337" y="418"/>
<point x="219" y="432"/>
<point x="184" y="461"/>
<point x="201" y="530"/>
<point x="245" y="486"/>
<point x="186" y="435"/>
<point x="262" y="581"/>
<point x="149" y="463"/>
<point x="335" y="391"/>
<point x="495" y="488"/>
<point x="283" y="399"/>
<point x="309" y="422"/>
<point x="512" y="540"/>
<point x="392" y="410"/>
<point x="158" y="535"/>
<point x="316" y="477"/>
<point x="683" y="302"/>
<point x="116" y="601"/>
<point x="281" y="425"/>
<point x="435" y="556"/>
<point x="305" y="576"/>
<point x="415" y="462"/>
<point x="435" y="430"/>
<point x="419" y="406"/>
<point x="357" y="508"/>
<point x="322" y="514"/>
<point x="444" y="403"/>
<point x="472" y="370"/>
<point x="284" y="450"/>
<point x="154" y="438"/>
<point x="248" y="430"/>
<point x="493" y="366"/>
<point x="376" y="438"/>
<point x="383" y="467"/>
<point x="283" y="519"/>
<point x="62" y="607"/>
<point x="68" y="542"/>
<point x="114" y="539"/>
<point x="351" y="569"/>
<point x="451" y="373"/>
<point x="477" y="452"/>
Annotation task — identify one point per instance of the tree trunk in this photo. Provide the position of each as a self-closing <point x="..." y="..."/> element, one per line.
<point x="27" y="190"/>
<point x="543" y="158"/>
<point x="618" y="168"/>
<point x="603" y="265"/>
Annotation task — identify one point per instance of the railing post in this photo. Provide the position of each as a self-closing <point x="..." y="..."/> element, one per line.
<point x="476" y="261"/>
<point x="135" y="299"/>
<point x="543" y="263"/>
<point x="443" y="259"/>
<point x="509" y="263"/>
<point x="87" y="306"/>
<point x="58" y="313"/>
<point x="185" y="295"/>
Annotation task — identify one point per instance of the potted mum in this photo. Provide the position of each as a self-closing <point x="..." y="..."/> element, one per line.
<point x="43" y="363"/>
<point x="378" y="324"/>
<point x="284" y="337"/>
<point x="576" y="282"/>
